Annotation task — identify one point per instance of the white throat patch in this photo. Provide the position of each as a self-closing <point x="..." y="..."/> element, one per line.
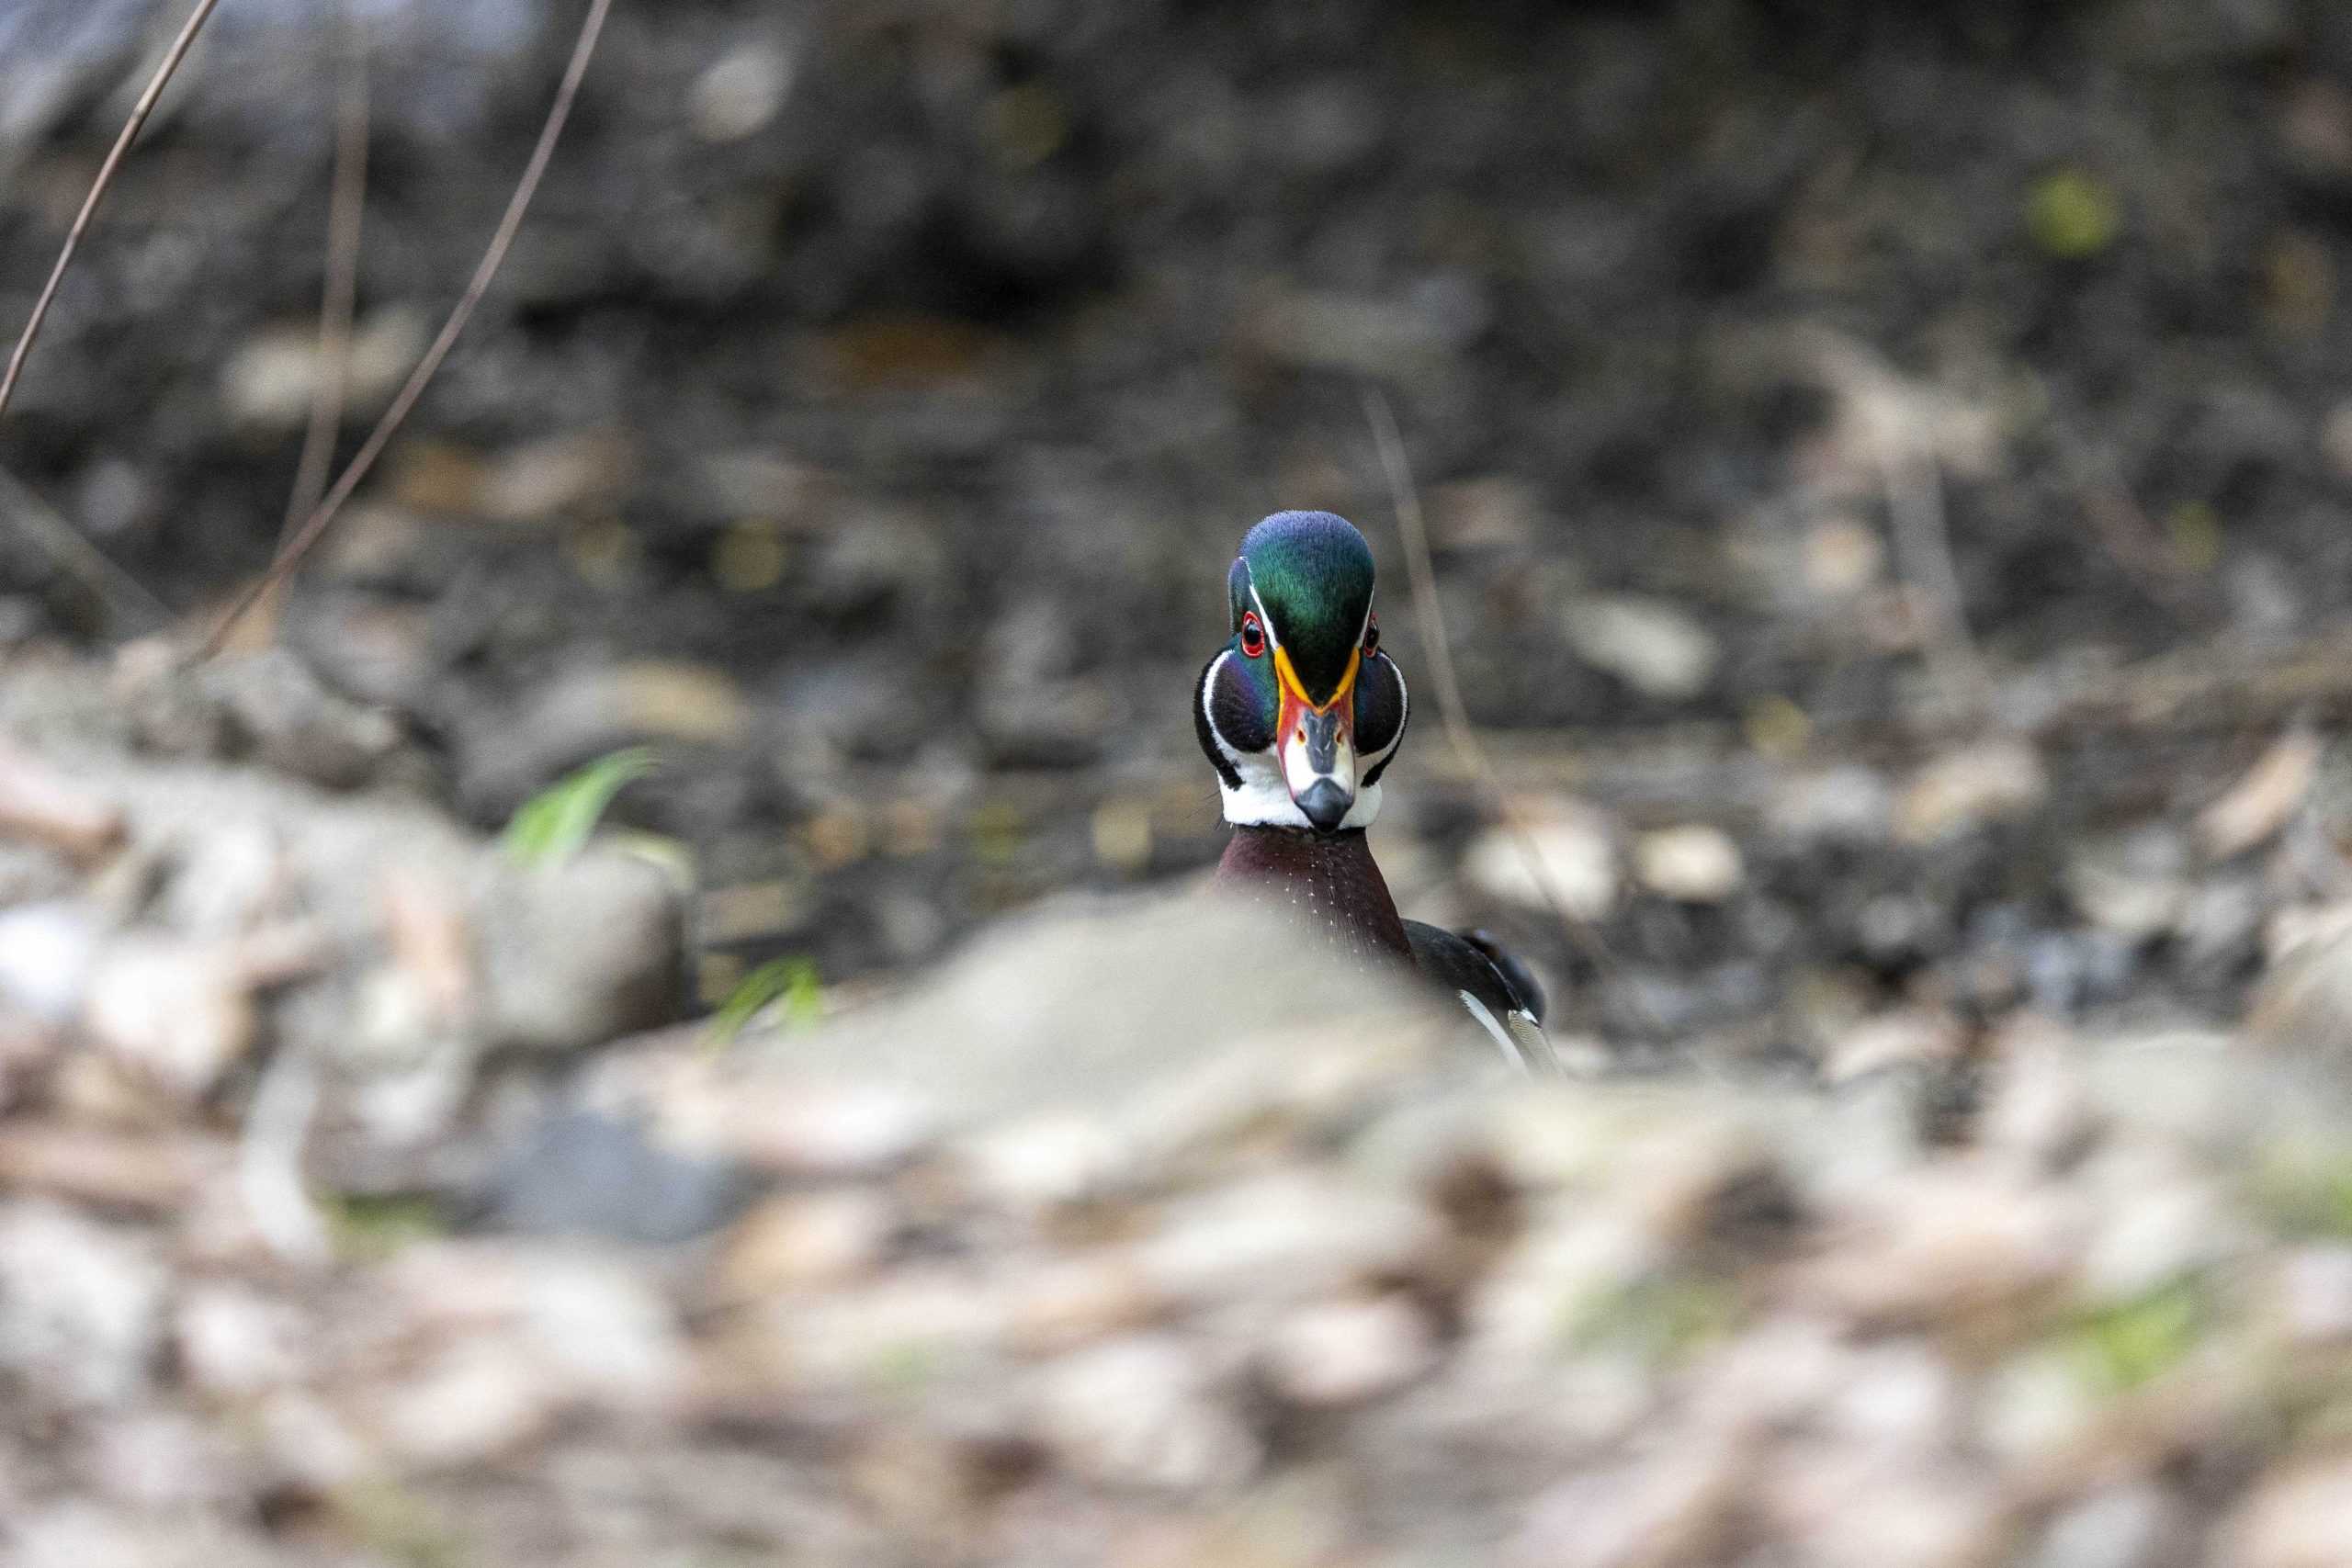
<point x="1263" y="798"/>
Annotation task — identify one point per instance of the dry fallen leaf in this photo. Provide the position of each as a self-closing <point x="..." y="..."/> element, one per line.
<point x="424" y="924"/>
<point x="38" y="803"/>
<point x="2260" y="803"/>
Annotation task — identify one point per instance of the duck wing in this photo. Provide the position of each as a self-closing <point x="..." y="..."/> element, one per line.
<point x="1494" y="986"/>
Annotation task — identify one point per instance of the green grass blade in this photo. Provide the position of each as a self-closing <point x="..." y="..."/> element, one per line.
<point x="552" y="825"/>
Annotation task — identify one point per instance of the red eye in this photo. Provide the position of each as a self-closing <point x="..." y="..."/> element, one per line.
<point x="1253" y="636"/>
<point x="1371" y="635"/>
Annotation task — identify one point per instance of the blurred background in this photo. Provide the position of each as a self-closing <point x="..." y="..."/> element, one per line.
<point x="872" y="403"/>
<point x="1888" y="471"/>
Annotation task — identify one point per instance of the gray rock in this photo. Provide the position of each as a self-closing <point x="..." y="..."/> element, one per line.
<point x="275" y="707"/>
<point x="80" y="1308"/>
<point x="578" y="1173"/>
<point x="578" y="954"/>
<point x="1070" y="1006"/>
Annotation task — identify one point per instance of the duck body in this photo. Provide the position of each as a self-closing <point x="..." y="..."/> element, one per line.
<point x="1300" y="713"/>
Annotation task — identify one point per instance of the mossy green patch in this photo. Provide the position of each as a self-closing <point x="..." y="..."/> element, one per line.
<point x="394" y="1523"/>
<point x="2124" y="1346"/>
<point x="1662" y="1319"/>
<point x="369" y="1227"/>
<point x="2072" y="215"/>
<point x="2305" y="1191"/>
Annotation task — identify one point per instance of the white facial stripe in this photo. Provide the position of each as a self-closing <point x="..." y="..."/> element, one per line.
<point x="1264" y="619"/>
<point x="1209" y="688"/>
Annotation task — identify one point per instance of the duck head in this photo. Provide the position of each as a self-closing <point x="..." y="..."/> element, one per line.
<point x="1301" y="711"/>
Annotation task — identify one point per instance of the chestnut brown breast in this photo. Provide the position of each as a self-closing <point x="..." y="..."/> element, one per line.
<point x="1329" y="881"/>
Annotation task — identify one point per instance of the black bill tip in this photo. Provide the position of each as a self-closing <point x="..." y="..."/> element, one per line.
<point x="1325" y="804"/>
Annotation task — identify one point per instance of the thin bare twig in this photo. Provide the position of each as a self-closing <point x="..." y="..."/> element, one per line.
<point x="99" y="188"/>
<point x="295" y="548"/>
<point x="1429" y="617"/>
<point x="1915" y="505"/>
<point x="116" y="588"/>
<point x="2123" y="528"/>
<point x="347" y="211"/>
<point x="338" y="301"/>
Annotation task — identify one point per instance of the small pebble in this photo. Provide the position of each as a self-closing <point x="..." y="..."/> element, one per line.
<point x="1697" y="864"/>
<point x="1653" y="646"/>
<point x="1565" y="850"/>
<point x="1145" y="1411"/>
<point x="1341" y="1353"/>
<point x="1993" y="782"/>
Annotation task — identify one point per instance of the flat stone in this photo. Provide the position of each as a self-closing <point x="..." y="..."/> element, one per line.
<point x="1697" y="864"/>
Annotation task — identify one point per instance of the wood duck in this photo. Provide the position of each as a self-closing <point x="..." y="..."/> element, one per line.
<point x="1300" y="713"/>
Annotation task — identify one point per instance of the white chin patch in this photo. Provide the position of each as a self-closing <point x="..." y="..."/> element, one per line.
<point x="1263" y="799"/>
<point x="1300" y="774"/>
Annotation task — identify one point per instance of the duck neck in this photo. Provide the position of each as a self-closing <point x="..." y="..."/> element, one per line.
<point x="1328" y="878"/>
